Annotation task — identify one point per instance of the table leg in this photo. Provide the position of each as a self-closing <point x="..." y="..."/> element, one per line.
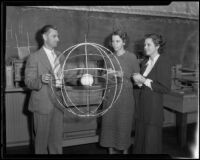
<point x="181" y="125"/>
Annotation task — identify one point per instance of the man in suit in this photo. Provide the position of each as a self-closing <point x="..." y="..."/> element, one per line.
<point x="48" y="119"/>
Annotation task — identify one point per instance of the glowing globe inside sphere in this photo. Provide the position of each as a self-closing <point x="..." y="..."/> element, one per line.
<point x="87" y="80"/>
<point x="87" y="85"/>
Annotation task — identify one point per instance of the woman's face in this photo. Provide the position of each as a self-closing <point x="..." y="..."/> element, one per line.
<point x="117" y="43"/>
<point x="150" y="47"/>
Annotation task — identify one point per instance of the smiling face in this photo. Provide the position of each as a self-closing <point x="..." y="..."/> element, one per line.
<point x="51" y="38"/>
<point x="117" y="43"/>
<point x="149" y="47"/>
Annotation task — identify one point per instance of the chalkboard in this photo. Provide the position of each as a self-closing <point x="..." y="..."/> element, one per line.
<point x="22" y="23"/>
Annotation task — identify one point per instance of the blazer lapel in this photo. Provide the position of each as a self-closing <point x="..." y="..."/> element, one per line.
<point x="143" y="66"/>
<point x="45" y="61"/>
<point x="154" y="67"/>
<point x="61" y="57"/>
<point x="58" y="54"/>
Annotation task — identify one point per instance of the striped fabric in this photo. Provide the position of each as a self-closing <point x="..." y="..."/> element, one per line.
<point x="57" y="72"/>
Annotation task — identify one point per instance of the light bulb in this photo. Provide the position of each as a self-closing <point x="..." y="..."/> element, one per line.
<point x="87" y="80"/>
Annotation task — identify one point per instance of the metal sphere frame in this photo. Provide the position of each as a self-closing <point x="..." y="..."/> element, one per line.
<point x="102" y="50"/>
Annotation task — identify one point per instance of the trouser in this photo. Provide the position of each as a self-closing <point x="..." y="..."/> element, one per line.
<point x="48" y="132"/>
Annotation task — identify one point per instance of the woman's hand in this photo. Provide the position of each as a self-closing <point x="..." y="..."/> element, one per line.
<point x="115" y="73"/>
<point x="118" y="74"/>
<point x="138" y="78"/>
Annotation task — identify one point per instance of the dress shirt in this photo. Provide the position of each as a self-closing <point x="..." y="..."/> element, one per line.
<point x="51" y="56"/>
<point x="55" y="65"/>
<point x="150" y="64"/>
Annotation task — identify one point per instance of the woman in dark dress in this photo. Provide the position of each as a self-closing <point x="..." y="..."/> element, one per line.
<point x="154" y="81"/>
<point x="117" y="122"/>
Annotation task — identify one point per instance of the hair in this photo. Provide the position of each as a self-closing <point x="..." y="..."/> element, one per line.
<point x="122" y="35"/>
<point x="157" y="40"/>
<point x="39" y="34"/>
<point x="46" y="28"/>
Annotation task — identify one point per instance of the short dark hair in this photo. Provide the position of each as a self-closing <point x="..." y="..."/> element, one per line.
<point x="46" y="28"/>
<point x="123" y="35"/>
<point x="157" y="40"/>
<point x="40" y="32"/>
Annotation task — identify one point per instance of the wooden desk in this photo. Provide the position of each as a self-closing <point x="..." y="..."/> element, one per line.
<point x="182" y="103"/>
<point x="79" y="130"/>
<point x="19" y="123"/>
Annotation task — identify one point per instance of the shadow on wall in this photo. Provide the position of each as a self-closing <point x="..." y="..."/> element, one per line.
<point x="138" y="48"/>
<point x="29" y="120"/>
<point x="190" y="55"/>
<point x="39" y="39"/>
<point x="107" y="42"/>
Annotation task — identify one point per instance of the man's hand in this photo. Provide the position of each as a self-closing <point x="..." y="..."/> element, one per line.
<point x="46" y="78"/>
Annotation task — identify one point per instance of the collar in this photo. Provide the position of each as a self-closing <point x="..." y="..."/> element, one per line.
<point x="150" y="61"/>
<point x="48" y="51"/>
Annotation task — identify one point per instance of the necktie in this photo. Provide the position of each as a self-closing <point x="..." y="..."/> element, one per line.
<point x="57" y="71"/>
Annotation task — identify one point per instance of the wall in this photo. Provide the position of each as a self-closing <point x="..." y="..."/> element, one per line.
<point x="179" y="9"/>
<point x="181" y="34"/>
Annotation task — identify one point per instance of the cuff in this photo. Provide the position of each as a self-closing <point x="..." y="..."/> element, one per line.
<point x="139" y="84"/>
<point x="148" y="83"/>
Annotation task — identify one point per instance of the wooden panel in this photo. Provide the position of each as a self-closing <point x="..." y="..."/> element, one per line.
<point x="17" y="123"/>
<point x="79" y="141"/>
<point x="173" y="102"/>
<point x="192" y="117"/>
<point x="170" y="118"/>
<point x="190" y="103"/>
<point x="181" y="102"/>
<point x="73" y="123"/>
<point x="76" y="130"/>
<point x="82" y="96"/>
<point x="167" y="9"/>
<point x="79" y="134"/>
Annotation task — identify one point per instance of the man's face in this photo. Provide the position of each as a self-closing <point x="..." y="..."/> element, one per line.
<point x="51" y="38"/>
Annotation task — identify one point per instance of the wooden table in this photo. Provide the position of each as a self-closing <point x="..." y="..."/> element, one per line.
<point x="183" y="103"/>
<point x="17" y="118"/>
<point x="79" y="130"/>
<point x="19" y="126"/>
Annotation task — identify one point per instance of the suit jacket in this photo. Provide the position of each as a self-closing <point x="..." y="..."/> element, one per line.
<point x="42" y="99"/>
<point x="150" y="108"/>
